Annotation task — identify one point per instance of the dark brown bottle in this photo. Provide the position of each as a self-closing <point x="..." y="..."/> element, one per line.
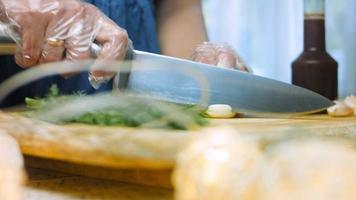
<point x="315" y="69"/>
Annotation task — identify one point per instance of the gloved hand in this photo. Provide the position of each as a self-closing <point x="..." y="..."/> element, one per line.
<point x="221" y="55"/>
<point x="55" y="30"/>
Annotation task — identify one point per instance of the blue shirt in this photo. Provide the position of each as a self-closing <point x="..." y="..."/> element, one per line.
<point x="136" y="16"/>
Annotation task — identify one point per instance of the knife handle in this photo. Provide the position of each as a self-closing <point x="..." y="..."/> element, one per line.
<point x="8" y="47"/>
<point x="121" y="80"/>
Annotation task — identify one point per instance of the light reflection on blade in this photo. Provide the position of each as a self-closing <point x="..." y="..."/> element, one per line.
<point x="176" y="80"/>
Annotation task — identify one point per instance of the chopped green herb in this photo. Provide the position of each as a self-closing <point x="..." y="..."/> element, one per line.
<point x="129" y="111"/>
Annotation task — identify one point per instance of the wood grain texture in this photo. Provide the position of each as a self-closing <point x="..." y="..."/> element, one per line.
<point x="114" y="147"/>
<point x="145" y="177"/>
<point x="310" y="124"/>
<point x="49" y="185"/>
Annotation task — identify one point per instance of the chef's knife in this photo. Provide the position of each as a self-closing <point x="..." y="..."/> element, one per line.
<point x="187" y="82"/>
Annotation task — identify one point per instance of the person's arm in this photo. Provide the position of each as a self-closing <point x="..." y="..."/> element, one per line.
<point x="182" y="34"/>
<point x="181" y="26"/>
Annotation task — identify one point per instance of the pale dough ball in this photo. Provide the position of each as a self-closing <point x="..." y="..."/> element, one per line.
<point x="219" y="164"/>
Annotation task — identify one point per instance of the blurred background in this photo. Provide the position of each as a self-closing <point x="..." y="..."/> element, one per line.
<point x="268" y="35"/>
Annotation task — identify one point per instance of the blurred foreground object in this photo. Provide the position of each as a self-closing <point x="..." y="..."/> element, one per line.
<point x="315" y="69"/>
<point x="222" y="164"/>
<point x="309" y="170"/>
<point x="218" y="165"/>
<point x="11" y="168"/>
<point x="221" y="55"/>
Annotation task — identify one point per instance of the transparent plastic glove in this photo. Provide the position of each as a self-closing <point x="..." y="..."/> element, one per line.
<point x="55" y="30"/>
<point x="221" y="55"/>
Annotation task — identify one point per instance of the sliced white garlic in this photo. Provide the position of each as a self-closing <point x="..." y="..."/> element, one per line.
<point x="350" y="101"/>
<point x="340" y="109"/>
<point x="220" y="111"/>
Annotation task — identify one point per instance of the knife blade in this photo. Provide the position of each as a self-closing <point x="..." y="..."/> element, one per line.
<point x="176" y="80"/>
<point x="187" y="82"/>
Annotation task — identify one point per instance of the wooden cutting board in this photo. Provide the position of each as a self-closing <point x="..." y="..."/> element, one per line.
<point x="139" y="155"/>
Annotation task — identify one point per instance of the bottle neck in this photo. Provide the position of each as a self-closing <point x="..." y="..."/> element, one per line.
<point x="314" y="25"/>
<point x="314" y="34"/>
